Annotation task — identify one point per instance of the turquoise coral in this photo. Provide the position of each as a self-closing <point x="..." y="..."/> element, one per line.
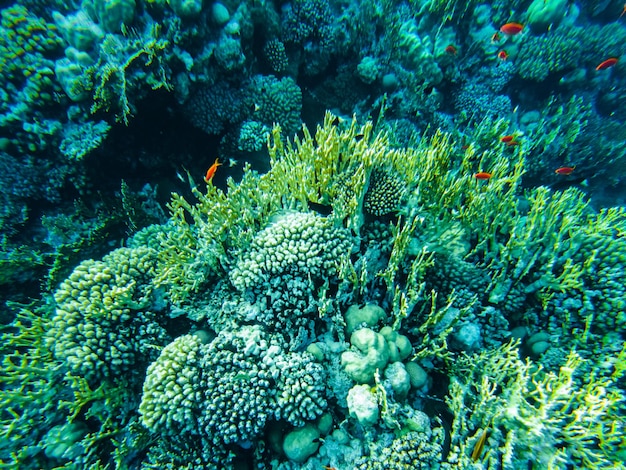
<point x="272" y="278"/>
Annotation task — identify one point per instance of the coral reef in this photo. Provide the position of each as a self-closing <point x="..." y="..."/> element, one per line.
<point x="427" y="275"/>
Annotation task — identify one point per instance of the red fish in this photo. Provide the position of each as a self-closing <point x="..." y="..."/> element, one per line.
<point x="511" y="29"/>
<point x="507" y="138"/>
<point x="502" y="55"/>
<point x="482" y="175"/>
<point x="450" y="49"/>
<point x="210" y="173"/>
<point x="605" y="64"/>
<point x="495" y="37"/>
<point x="565" y="170"/>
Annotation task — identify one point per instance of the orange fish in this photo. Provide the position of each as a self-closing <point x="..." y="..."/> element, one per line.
<point x="511" y="29"/>
<point x="210" y="173"/>
<point x="565" y="170"/>
<point x="482" y="175"/>
<point x="605" y="64"/>
<point x="623" y="11"/>
<point x="450" y="49"/>
<point x="502" y="55"/>
<point x="507" y="138"/>
<point x="512" y="143"/>
<point x="495" y="37"/>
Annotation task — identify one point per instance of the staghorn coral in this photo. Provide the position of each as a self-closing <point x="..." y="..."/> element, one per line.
<point x="553" y="419"/>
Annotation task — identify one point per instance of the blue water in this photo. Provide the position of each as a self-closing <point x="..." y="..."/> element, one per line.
<point x="312" y="234"/>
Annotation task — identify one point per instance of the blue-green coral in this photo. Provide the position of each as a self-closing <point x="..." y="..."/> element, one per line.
<point x="279" y="277"/>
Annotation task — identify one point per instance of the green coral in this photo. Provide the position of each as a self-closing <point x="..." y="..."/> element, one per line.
<point x="602" y="257"/>
<point x="102" y="315"/>
<point x="28" y="47"/>
<point x="417" y="450"/>
<point x="171" y="400"/>
<point x="563" y="49"/>
<point x="275" y="101"/>
<point x="557" y="51"/>
<point x="552" y="419"/>
<point x="296" y="243"/>
<point x="546" y="252"/>
<point x="115" y="72"/>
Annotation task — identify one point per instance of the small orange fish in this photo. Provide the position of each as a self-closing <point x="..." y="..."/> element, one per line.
<point x="502" y="55"/>
<point x="507" y="138"/>
<point x="511" y="29"/>
<point x="495" y="37"/>
<point x="512" y="143"/>
<point x="482" y="175"/>
<point x="605" y="64"/>
<point x="210" y="173"/>
<point x="326" y="467"/>
<point x="450" y="49"/>
<point x="623" y="12"/>
<point x="565" y="170"/>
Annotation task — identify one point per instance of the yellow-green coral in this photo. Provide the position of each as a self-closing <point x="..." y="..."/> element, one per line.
<point x="111" y="75"/>
<point x="555" y="420"/>
<point x="97" y="329"/>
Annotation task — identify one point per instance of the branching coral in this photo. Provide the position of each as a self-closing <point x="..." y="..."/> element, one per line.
<point x="532" y="415"/>
<point x="103" y="315"/>
<point x="299" y="243"/>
